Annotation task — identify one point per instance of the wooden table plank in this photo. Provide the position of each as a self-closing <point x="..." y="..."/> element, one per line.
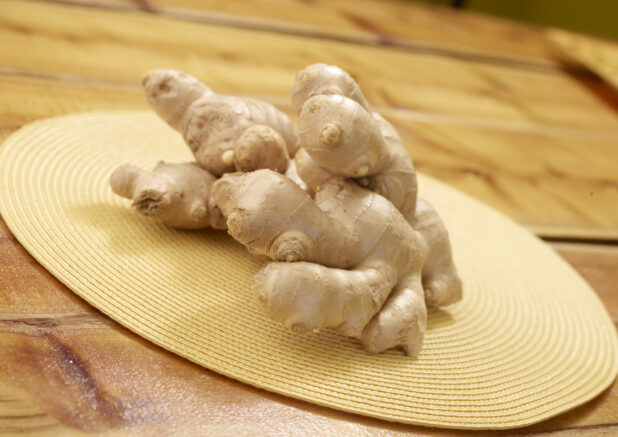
<point x="598" y="264"/>
<point x="391" y="23"/>
<point x="111" y="380"/>
<point x="597" y="54"/>
<point x="21" y="416"/>
<point x="512" y="128"/>
<point x="120" y="46"/>
<point x="558" y="186"/>
<point x="480" y="103"/>
<point x="24" y="98"/>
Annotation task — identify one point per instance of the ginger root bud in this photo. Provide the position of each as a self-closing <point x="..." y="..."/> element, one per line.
<point x="178" y="195"/>
<point x="341" y="136"/>
<point x="260" y="147"/>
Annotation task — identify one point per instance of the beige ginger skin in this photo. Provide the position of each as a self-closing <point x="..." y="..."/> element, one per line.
<point x="342" y="137"/>
<point x="341" y="258"/>
<point x="439" y="276"/>
<point x="353" y="247"/>
<point x="225" y="133"/>
<point x="441" y="282"/>
<point x="341" y="133"/>
<point x="177" y="195"/>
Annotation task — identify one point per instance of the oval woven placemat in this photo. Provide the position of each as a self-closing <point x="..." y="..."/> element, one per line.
<point x="529" y="340"/>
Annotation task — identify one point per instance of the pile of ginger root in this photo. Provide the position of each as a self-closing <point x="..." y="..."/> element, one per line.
<point x="331" y="205"/>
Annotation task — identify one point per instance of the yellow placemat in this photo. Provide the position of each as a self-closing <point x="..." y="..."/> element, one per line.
<point x="529" y="340"/>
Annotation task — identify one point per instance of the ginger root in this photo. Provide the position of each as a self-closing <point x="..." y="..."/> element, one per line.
<point x="439" y="276"/>
<point x="441" y="282"/>
<point x="351" y="245"/>
<point x="341" y="133"/>
<point x="178" y="195"/>
<point x="341" y="137"/>
<point x="340" y="257"/>
<point x="225" y="133"/>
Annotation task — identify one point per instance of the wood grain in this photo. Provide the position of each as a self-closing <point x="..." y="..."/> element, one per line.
<point x="557" y="185"/>
<point x="25" y="98"/>
<point x="390" y="23"/>
<point x="598" y="264"/>
<point x="120" y="46"/>
<point x="51" y="343"/>
<point x="482" y="104"/>
<point x="599" y="55"/>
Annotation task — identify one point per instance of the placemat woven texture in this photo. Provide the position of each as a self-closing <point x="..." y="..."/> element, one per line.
<point x="529" y="340"/>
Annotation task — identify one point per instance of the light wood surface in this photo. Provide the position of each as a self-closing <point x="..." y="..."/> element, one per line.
<point x="482" y="104"/>
<point x="120" y="46"/>
<point x="390" y="23"/>
<point x="599" y="55"/>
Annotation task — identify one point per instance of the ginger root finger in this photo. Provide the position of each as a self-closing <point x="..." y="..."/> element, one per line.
<point x="401" y="321"/>
<point x="397" y="182"/>
<point x="170" y="93"/>
<point x="322" y="79"/>
<point x="341" y="136"/>
<point x="312" y="176"/>
<point x="334" y="117"/>
<point x="440" y="279"/>
<point x="292" y="174"/>
<point x="276" y="218"/>
<point x="304" y="296"/>
<point x="124" y="178"/>
<point x="260" y="147"/>
<point x="212" y="123"/>
<point x="178" y="195"/>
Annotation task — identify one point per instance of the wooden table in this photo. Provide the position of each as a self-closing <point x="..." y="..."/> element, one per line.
<point x="486" y="105"/>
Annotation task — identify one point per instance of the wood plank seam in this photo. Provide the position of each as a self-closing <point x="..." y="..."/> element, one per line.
<point x="510" y="126"/>
<point x="398" y="113"/>
<point x="580" y="240"/>
<point x="28" y="428"/>
<point x="415" y="90"/>
<point x="10" y="71"/>
<point x="20" y="321"/>
<point x="22" y="416"/>
<point x="275" y="26"/>
<point x="568" y="428"/>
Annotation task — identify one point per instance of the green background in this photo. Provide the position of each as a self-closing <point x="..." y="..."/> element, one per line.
<point x="596" y="17"/>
